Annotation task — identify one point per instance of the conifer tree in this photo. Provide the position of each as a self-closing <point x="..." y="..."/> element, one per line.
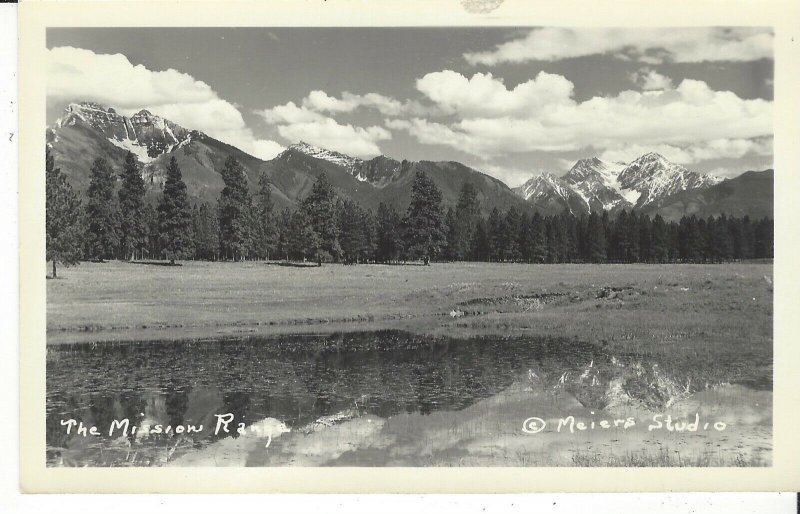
<point x="101" y="212"/>
<point x="389" y="242"/>
<point x="480" y="242"/>
<point x="206" y="232"/>
<point x="234" y="207"/>
<point x="449" y="249"/>
<point x="266" y="228"/>
<point x="467" y="214"/>
<point x="319" y="210"/>
<point x="495" y="235"/>
<point x="174" y="216"/>
<point x="510" y="240"/>
<point x="424" y="225"/>
<point x="62" y="217"/>
<point x="538" y="239"/>
<point x="596" y="238"/>
<point x="153" y="243"/>
<point x="132" y="221"/>
<point x="661" y="242"/>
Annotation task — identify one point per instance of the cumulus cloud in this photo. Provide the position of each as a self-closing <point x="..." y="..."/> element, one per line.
<point x="694" y="153"/>
<point x="649" y="45"/>
<point x="295" y="123"/>
<point x="483" y="94"/>
<point x="492" y="120"/>
<point x="320" y="101"/>
<point x="513" y="176"/>
<point x="112" y="80"/>
<point x="650" y="80"/>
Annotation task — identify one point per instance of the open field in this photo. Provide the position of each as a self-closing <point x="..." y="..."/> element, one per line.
<point x="606" y="340"/>
<point x="690" y="312"/>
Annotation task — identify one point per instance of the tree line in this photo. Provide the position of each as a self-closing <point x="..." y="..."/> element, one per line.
<point x="120" y="224"/>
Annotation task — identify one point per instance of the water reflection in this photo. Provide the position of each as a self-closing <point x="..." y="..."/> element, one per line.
<point x="295" y="379"/>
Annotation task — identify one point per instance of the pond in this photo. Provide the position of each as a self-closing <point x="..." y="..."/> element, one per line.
<point x="367" y="393"/>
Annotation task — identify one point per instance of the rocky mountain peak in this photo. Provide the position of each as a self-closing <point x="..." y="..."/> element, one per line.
<point x="604" y="185"/>
<point x="144" y="134"/>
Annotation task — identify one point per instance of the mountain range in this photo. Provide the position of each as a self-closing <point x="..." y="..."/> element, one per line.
<point x="650" y="183"/>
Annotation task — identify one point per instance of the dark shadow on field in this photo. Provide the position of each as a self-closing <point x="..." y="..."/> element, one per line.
<point x="153" y="263"/>
<point x="289" y="264"/>
<point x="415" y="263"/>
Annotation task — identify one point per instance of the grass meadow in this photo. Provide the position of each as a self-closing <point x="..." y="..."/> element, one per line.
<point x="692" y="314"/>
<point x="680" y="339"/>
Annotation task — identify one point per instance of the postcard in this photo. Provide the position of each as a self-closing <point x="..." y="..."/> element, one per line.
<point x="480" y="246"/>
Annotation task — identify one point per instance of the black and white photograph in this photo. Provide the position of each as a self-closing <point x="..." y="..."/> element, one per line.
<point x="479" y="246"/>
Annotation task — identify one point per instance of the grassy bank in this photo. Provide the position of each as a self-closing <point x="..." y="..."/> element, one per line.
<point x="714" y="315"/>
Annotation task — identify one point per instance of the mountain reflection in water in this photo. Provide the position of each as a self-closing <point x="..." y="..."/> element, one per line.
<point x="295" y="379"/>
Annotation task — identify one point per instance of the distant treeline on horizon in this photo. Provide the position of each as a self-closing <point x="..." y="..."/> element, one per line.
<point x="327" y="228"/>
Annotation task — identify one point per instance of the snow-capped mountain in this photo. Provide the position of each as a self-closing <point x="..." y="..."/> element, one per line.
<point x="340" y="159"/>
<point x="144" y="133"/>
<point x="550" y="193"/>
<point x="610" y="186"/>
<point x="596" y="182"/>
<point x="378" y="171"/>
<point x="654" y="177"/>
<point x="87" y="131"/>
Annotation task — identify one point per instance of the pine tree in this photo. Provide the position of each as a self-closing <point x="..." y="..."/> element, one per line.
<point x="319" y="210"/>
<point x="449" y="249"/>
<point x="511" y="228"/>
<point x="62" y="217"/>
<point x="101" y="213"/>
<point x="661" y="243"/>
<point x="234" y="207"/>
<point x="645" y="239"/>
<point x="267" y="231"/>
<point x="132" y="222"/>
<point x="303" y="241"/>
<point x="351" y="231"/>
<point x="764" y="239"/>
<point x="424" y="226"/>
<point x="481" y="246"/>
<point x="151" y="222"/>
<point x="467" y="214"/>
<point x="596" y="239"/>
<point x="284" y="233"/>
<point x="174" y="216"/>
<point x="538" y="239"/>
<point x="389" y="243"/>
<point x="721" y="238"/>
<point x="206" y="232"/>
<point x="495" y="235"/>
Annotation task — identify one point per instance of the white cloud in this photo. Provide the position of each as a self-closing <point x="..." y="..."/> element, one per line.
<point x="320" y="101"/>
<point x="694" y="153"/>
<point x="302" y="124"/>
<point x="483" y="94"/>
<point x="290" y="113"/>
<point x="650" y="80"/>
<point x="513" y="176"/>
<point x="75" y="74"/>
<point x="650" y="45"/>
<point x="493" y="120"/>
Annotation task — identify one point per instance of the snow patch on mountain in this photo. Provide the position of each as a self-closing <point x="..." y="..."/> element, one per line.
<point x="340" y="159"/>
<point x="543" y="185"/>
<point x="144" y="133"/>
<point x="604" y="185"/>
<point x="139" y="151"/>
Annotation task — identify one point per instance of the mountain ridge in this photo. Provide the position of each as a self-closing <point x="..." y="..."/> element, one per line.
<point x="88" y="130"/>
<point x="612" y="186"/>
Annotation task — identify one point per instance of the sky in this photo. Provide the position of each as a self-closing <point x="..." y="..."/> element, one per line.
<point x="511" y="102"/>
